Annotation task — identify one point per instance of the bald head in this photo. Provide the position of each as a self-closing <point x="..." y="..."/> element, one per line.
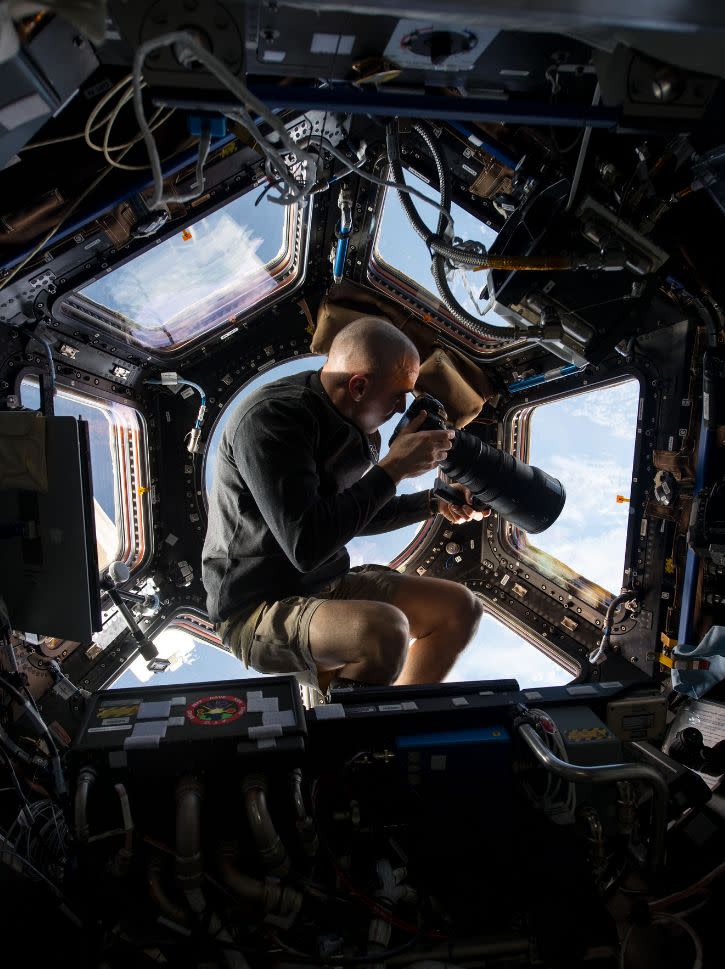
<point x="370" y="368"/>
<point x="370" y="345"/>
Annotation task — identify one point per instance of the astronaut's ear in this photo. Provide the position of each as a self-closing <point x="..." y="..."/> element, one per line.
<point x="357" y="385"/>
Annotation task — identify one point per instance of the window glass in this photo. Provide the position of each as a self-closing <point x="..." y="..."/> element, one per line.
<point x="113" y="430"/>
<point x="497" y="652"/>
<point x="200" y="278"/>
<point x="193" y="660"/>
<point x="400" y="248"/>
<point x="372" y="549"/>
<point x="587" y="441"/>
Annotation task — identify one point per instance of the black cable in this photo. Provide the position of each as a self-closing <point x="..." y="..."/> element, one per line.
<point x="56" y="767"/>
<point x="16" y="782"/>
<point x="440" y="250"/>
<point x="268" y="187"/>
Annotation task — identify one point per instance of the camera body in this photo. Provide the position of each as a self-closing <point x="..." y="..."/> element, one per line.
<point x="521" y="493"/>
<point x="437" y="419"/>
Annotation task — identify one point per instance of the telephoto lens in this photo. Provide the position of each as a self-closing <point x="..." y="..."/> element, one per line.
<point x="523" y="494"/>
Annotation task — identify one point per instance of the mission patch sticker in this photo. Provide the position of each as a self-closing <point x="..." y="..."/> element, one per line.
<point x="211" y="711"/>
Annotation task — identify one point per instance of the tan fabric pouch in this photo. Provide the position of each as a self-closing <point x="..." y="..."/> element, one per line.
<point x="348" y="301"/>
<point x="438" y="376"/>
<point x="447" y="374"/>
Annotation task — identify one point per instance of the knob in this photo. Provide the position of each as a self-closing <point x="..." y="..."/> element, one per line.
<point x="119" y="572"/>
<point x="688" y="747"/>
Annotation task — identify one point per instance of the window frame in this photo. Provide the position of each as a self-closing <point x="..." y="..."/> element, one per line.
<point x="129" y="457"/>
<point x="552" y="652"/>
<point x="397" y="286"/>
<point x="400" y="559"/>
<point x="515" y="437"/>
<point x="289" y="265"/>
<point x="198" y="625"/>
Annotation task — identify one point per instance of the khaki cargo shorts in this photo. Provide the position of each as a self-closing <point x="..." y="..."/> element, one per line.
<point x="274" y="637"/>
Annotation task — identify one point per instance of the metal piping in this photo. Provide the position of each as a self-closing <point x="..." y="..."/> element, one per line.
<point x="271" y="896"/>
<point x="305" y="824"/>
<point x="154" y="871"/>
<point x="249" y="890"/>
<point x="609" y="774"/>
<point x="269" y="844"/>
<point x="86" y="779"/>
<point x="189" y="864"/>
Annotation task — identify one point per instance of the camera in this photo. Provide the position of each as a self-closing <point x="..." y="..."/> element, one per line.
<point x="521" y="493"/>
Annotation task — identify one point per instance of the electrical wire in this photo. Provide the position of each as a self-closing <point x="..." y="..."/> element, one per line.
<point x="249" y="102"/>
<point x="16" y="783"/>
<point x="157" y="120"/>
<point x="385" y="183"/>
<point x="225" y="77"/>
<point x="55" y="764"/>
<point x="91" y="124"/>
<point x="174" y="380"/>
<point x="9" y="745"/>
<point x="598" y="655"/>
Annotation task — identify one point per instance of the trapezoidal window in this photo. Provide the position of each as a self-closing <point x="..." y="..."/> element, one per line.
<point x="587" y="440"/>
<point x="118" y="470"/>
<point x="388" y="547"/>
<point x="195" y="655"/>
<point x="200" y="279"/>
<point x="400" y="259"/>
<point x="499" y="652"/>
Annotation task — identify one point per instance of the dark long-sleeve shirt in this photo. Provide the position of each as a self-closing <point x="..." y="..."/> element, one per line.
<point x="290" y="490"/>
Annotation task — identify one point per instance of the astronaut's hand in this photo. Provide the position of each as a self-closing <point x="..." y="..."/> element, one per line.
<point x="460" y="514"/>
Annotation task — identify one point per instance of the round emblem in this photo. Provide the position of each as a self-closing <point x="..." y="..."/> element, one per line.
<point x="210" y="711"/>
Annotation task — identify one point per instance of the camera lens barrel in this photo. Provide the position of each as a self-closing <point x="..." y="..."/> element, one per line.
<point x="521" y="493"/>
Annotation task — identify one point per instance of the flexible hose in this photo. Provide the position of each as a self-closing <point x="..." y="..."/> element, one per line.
<point x="441" y="251"/>
<point x="533" y="263"/>
<point x="433" y="240"/>
<point x="438" y="271"/>
<point x="598" y="655"/>
<point x="444" y="175"/>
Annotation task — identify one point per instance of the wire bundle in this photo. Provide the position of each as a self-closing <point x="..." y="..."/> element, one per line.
<point x="109" y="120"/>
<point x="40" y="836"/>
